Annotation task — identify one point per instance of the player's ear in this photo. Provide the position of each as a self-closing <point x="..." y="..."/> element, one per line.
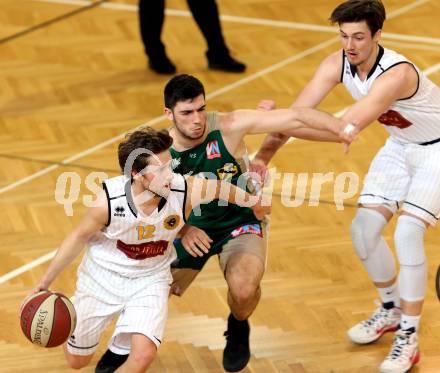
<point x="168" y="113"/>
<point x="377" y="36"/>
<point x="135" y="174"/>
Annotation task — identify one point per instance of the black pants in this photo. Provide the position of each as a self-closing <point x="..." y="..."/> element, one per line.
<point x="205" y="13"/>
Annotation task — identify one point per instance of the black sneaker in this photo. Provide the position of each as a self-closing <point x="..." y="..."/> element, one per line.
<point x="236" y="354"/>
<point x="162" y="65"/>
<point x="109" y="362"/>
<point x="225" y="63"/>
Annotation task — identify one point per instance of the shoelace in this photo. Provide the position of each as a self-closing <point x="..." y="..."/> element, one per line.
<point x="372" y="320"/>
<point x="400" y="341"/>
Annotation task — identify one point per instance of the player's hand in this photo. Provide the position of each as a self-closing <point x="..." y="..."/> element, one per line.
<point x="34" y="291"/>
<point x="195" y="241"/>
<point x="347" y="135"/>
<point x="266" y="105"/>
<point x="259" y="169"/>
<point x="261" y="211"/>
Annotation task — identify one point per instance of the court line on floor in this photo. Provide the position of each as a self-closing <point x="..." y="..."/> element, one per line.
<point x="10" y="275"/>
<point x="416" y="46"/>
<point x="88" y="6"/>
<point x="27" y="267"/>
<point x="43" y="161"/>
<point x="270" y="22"/>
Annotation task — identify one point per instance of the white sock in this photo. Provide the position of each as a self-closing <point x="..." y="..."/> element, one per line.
<point x="407" y="322"/>
<point x="390" y="294"/>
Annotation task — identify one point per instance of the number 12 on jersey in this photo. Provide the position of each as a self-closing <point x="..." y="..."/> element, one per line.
<point x="145" y="232"/>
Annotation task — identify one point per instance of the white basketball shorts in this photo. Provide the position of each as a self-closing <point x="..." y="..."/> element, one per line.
<point x="141" y="305"/>
<point x="406" y="176"/>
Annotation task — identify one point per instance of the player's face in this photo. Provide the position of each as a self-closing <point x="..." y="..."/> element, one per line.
<point x="358" y="43"/>
<point x="158" y="175"/>
<point x="189" y="117"/>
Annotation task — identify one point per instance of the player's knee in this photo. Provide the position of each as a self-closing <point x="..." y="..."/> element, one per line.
<point x="76" y="365"/>
<point x="408" y="239"/>
<point x="142" y="359"/>
<point x="366" y="229"/>
<point x="78" y="362"/>
<point x="244" y="292"/>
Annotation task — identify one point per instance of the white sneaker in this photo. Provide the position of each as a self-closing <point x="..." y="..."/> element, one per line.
<point x="404" y="353"/>
<point x="380" y="322"/>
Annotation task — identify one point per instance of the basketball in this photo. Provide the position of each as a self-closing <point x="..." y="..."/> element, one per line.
<point x="48" y="319"/>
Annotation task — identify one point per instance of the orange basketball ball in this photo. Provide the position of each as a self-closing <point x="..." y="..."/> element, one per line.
<point x="48" y="319"/>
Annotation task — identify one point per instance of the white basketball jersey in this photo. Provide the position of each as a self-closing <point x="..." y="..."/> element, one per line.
<point x="414" y="119"/>
<point x="133" y="244"/>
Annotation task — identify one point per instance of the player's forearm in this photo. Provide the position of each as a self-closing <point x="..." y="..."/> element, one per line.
<point x="66" y="254"/>
<point x="270" y="146"/>
<point x="314" y="135"/>
<point x="319" y="120"/>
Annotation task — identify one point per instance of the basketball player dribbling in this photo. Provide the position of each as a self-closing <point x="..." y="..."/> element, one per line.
<point x="211" y="144"/>
<point x="125" y="273"/>
<point x="404" y="174"/>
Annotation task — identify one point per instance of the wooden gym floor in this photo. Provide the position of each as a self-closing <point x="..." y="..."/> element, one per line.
<point x="69" y="89"/>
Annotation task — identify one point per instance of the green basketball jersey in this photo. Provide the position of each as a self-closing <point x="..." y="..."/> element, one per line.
<point x="211" y="159"/>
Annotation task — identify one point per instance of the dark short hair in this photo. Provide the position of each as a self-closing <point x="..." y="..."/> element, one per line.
<point x="370" y="11"/>
<point x="147" y="138"/>
<point x="181" y="88"/>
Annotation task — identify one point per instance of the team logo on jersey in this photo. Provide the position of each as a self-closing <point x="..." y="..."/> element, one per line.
<point x="213" y="150"/>
<point x="171" y="222"/>
<point x="175" y="162"/>
<point x="119" y="211"/>
<point x="394" y="119"/>
<point x="143" y="250"/>
<point x="227" y="171"/>
<point x="247" y="229"/>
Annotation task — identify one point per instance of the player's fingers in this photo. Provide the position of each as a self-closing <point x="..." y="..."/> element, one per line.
<point x="262" y="212"/>
<point x="204" y="246"/>
<point x="196" y="249"/>
<point x="205" y="239"/>
<point x="188" y="248"/>
<point x="33" y="291"/>
<point x="259" y="169"/>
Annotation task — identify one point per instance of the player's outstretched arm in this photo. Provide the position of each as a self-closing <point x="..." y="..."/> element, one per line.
<point x="274" y="141"/>
<point x="201" y="191"/>
<point x="243" y="122"/>
<point x="327" y="77"/>
<point x="94" y="220"/>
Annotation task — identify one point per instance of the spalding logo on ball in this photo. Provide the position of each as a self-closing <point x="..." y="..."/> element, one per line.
<point x="48" y="319"/>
